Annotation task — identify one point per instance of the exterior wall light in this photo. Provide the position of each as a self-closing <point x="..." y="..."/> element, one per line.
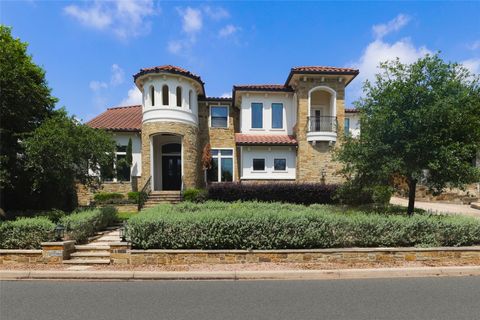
<point x="59" y="232"/>
<point x="123" y="235"/>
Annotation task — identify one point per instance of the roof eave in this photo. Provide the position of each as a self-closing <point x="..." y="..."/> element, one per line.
<point x="294" y="72"/>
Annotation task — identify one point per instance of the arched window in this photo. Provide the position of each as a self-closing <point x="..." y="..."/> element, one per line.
<point x="190" y="99"/>
<point x="179" y="96"/>
<point x="152" y="95"/>
<point x="165" y="95"/>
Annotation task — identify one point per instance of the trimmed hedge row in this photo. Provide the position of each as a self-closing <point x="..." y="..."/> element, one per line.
<point x="255" y="225"/>
<point x="79" y="226"/>
<point x="299" y="193"/>
<point x="26" y="233"/>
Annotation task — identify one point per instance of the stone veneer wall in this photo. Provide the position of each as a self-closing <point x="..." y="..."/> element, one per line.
<point x="192" y="173"/>
<point x="85" y="194"/>
<point x="220" y="137"/>
<point x="312" y="160"/>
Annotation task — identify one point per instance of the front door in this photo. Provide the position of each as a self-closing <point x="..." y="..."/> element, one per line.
<point x="171" y="172"/>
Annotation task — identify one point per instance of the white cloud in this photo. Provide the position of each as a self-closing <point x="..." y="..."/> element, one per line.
<point x="473" y="65"/>
<point x="216" y="13"/>
<point x="226" y="95"/>
<point x="474" y="45"/>
<point x="124" y="18"/>
<point x="118" y="75"/>
<point x="97" y="85"/>
<point x="381" y="30"/>
<point x="175" y="46"/>
<point x="191" y="19"/>
<point x="134" y="97"/>
<point x="228" y="30"/>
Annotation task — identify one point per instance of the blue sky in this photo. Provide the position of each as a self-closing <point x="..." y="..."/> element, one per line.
<point x="91" y="49"/>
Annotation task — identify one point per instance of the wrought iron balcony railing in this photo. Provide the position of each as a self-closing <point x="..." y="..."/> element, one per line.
<point x="322" y="124"/>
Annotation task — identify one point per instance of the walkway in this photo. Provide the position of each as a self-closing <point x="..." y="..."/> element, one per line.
<point x="439" y="208"/>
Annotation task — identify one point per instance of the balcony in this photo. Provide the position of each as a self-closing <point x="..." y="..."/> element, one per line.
<point x="323" y="128"/>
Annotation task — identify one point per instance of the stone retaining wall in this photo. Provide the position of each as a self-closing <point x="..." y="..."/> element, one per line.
<point x="123" y="255"/>
<point x="20" y="256"/>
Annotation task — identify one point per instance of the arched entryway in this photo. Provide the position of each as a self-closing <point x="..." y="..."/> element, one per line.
<point x="167" y="166"/>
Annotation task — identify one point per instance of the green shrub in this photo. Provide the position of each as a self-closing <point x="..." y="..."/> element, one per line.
<point x="381" y="195"/>
<point x="79" y="226"/>
<point x="255" y="225"/>
<point x="26" y="233"/>
<point x="195" y="195"/>
<point x="137" y="196"/>
<point x="54" y="215"/>
<point x="105" y="196"/>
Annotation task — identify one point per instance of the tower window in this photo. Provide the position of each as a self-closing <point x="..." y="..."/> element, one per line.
<point x="179" y="96"/>
<point x="165" y="95"/>
<point x="152" y="95"/>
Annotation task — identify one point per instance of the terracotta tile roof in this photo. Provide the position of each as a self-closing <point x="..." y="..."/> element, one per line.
<point x="127" y="118"/>
<point x="352" y="110"/>
<point x="264" y="139"/>
<point x="169" y="69"/>
<point x="263" y="87"/>
<point x="225" y="99"/>
<point x="325" y="69"/>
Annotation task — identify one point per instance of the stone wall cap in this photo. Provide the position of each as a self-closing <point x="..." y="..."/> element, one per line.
<point x="120" y="244"/>
<point x="330" y="250"/>
<point x="57" y="243"/>
<point x="20" y="251"/>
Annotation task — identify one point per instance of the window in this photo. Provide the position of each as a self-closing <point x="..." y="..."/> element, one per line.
<point x="222" y="166"/>
<point x="165" y="95"/>
<point x="347" y="126"/>
<point x="117" y="170"/>
<point x="106" y="172"/>
<point x="219" y="116"/>
<point x="152" y="95"/>
<point x="277" y="115"/>
<point x="179" y="96"/>
<point x="258" y="164"/>
<point x="279" y="164"/>
<point x="257" y="115"/>
<point x="123" y="169"/>
<point x="190" y="99"/>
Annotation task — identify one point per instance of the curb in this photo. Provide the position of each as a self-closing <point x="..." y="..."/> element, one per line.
<point x="244" y="275"/>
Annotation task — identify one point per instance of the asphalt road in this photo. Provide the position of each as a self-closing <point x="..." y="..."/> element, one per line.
<point x="420" y="298"/>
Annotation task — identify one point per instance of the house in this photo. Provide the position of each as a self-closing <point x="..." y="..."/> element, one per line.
<point x="267" y="132"/>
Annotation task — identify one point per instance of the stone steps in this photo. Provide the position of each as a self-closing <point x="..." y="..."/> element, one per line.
<point x="156" y="198"/>
<point x="475" y="205"/>
<point x="87" y="261"/>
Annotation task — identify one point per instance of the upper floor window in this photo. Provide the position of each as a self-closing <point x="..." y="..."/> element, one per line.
<point x="190" y="99"/>
<point x="152" y="95"/>
<point x="219" y="116"/>
<point x="165" y="95"/>
<point x="179" y="96"/>
<point x="257" y="115"/>
<point x="346" y="127"/>
<point x="277" y="115"/>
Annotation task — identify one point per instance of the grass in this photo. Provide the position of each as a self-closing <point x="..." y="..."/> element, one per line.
<point x="125" y="216"/>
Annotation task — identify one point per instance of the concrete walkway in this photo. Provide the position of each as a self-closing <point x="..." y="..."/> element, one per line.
<point x="113" y="235"/>
<point x="439" y="208"/>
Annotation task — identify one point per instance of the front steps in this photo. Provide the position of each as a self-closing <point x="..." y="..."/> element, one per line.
<point x="88" y="254"/>
<point x="160" y="197"/>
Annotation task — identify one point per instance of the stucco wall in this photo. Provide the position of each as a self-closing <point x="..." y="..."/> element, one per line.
<point x="269" y="154"/>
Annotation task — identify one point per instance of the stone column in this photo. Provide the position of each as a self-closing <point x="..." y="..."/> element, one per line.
<point x="56" y="252"/>
<point x="120" y="253"/>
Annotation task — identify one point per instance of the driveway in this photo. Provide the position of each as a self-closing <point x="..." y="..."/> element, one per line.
<point x="438" y="207"/>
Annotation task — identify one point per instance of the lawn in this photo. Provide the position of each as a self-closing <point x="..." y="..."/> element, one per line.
<point x="260" y="225"/>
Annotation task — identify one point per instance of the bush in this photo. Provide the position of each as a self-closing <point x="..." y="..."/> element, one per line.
<point x="102" y="197"/>
<point x="137" y="196"/>
<point x="255" y="225"/>
<point x="195" y="195"/>
<point x="26" y="233"/>
<point x="54" y="215"/>
<point x="299" y="193"/>
<point x="79" y="226"/>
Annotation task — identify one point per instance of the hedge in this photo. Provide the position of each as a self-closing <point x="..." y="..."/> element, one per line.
<point x="255" y="225"/>
<point x="299" y="193"/>
<point x="79" y="226"/>
<point x="26" y="233"/>
<point x="195" y="195"/>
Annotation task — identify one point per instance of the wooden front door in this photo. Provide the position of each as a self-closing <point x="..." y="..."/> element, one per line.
<point x="171" y="172"/>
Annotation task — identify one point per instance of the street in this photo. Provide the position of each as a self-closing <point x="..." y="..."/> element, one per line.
<point x="408" y="298"/>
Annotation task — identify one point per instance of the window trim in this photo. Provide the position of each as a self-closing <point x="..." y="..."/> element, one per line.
<point x="264" y="165"/>
<point x="190" y="98"/>
<point x="286" y="167"/>
<point x="210" y="117"/>
<point x="115" y="180"/>
<point x="271" y="112"/>
<point x="346" y="132"/>
<point x="219" y="157"/>
<point x="251" y="116"/>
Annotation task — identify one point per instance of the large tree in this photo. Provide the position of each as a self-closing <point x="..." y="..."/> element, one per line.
<point x="63" y="151"/>
<point x="25" y="101"/>
<point x="419" y="121"/>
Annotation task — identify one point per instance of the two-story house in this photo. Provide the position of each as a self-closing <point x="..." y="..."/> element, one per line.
<point x="272" y="132"/>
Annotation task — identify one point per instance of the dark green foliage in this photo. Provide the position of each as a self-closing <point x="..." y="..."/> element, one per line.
<point x="195" y="195"/>
<point x="129" y="157"/>
<point x="419" y="121"/>
<point x="255" y="225"/>
<point x="26" y="233"/>
<point x="300" y="193"/>
<point x="137" y="196"/>
<point x="104" y="196"/>
<point x="53" y="215"/>
<point x="79" y="226"/>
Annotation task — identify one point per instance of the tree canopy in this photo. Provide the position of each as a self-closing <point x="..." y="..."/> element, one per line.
<point x="419" y="121"/>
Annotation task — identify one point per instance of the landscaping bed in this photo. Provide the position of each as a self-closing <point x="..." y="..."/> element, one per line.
<point x="269" y="226"/>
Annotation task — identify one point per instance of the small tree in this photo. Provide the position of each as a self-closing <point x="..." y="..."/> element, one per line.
<point x="206" y="159"/>
<point x="62" y="151"/>
<point x="129" y="156"/>
<point x="419" y="121"/>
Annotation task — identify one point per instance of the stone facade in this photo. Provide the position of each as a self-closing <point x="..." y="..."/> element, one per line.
<point x="314" y="162"/>
<point x="20" y="256"/>
<point x="192" y="173"/>
<point x="85" y="194"/>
